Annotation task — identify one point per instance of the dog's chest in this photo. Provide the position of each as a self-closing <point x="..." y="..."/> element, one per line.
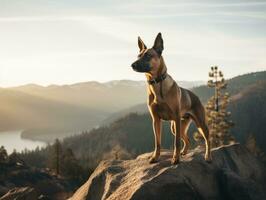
<point x="163" y="111"/>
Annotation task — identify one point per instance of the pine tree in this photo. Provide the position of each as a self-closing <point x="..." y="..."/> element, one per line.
<point x="14" y="158"/>
<point x="56" y="156"/>
<point x="3" y="155"/>
<point x="216" y="110"/>
<point x="70" y="167"/>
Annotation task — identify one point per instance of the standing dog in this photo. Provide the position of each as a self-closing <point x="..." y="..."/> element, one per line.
<point x="167" y="101"/>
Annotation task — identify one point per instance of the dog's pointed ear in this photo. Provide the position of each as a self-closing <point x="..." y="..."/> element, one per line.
<point x="141" y="44"/>
<point x="158" y="44"/>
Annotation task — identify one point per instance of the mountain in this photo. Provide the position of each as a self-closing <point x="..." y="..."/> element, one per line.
<point x="105" y="96"/>
<point x="21" y="111"/>
<point x="45" y="113"/>
<point x="110" y="96"/>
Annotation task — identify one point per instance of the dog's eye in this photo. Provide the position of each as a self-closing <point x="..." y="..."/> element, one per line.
<point x="148" y="56"/>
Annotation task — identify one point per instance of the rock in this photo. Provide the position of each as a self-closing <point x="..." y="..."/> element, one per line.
<point x="24" y="193"/>
<point x="13" y="177"/>
<point x="233" y="174"/>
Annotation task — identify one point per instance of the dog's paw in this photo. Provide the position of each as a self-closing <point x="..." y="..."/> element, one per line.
<point x="208" y="159"/>
<point x="153" y="160"/>
<point x="183" y="153"/>
<point x="175" y="161"/>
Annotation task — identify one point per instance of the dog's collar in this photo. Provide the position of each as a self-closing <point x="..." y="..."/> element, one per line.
<point x="157" y="79"/>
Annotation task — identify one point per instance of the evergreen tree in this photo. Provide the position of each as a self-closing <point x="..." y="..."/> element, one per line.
<point x="70" y="167"/>
<point x="14" y="158"/>
<point x="3" y="155"/>
<point x="56" y="156"/>
<point x="216" y="110"/>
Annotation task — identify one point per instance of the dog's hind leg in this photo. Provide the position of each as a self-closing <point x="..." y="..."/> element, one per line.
<point x="199" y="117"/>
<point x="184" y="127"/>
<point x="173" y="127"/>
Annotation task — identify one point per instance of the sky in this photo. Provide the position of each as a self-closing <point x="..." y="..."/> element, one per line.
<point x="67" y="41"/>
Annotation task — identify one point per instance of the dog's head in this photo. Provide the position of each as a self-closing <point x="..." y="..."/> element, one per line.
<point x="149" y="60"/>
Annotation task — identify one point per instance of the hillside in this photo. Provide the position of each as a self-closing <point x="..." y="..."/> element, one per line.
<point x="139" y="108"/>
<point x="235" y="86"/>
<point x="249" y="113"/>
<point x="21" y="111"/>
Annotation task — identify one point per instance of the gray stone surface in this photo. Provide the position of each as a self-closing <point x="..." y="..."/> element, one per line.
<point x="233" y="174"/>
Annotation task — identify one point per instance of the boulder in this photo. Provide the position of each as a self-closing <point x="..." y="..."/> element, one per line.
<point x="234" y="173"/>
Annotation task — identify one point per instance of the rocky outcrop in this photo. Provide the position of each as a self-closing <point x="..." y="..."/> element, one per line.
<point x="24" y="193"/>
<point x="233" y="174"/>
<point x="24" y="182"/>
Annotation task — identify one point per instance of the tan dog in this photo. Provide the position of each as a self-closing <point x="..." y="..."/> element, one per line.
<point x="168" y="101"/>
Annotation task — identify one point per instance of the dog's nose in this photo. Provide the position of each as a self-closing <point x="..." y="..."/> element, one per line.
<point x="134" y="65"/>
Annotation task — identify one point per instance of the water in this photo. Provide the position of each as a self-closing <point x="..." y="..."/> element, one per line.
<point x="12" y="140"/>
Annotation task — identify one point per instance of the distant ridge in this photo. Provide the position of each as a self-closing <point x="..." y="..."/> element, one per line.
<point x="112" y="82"/>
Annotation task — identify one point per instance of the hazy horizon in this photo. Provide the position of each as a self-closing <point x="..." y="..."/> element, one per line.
<point x="103" y="82"/>
<point x="73" y="83"/>
<point x="64" y="42"/>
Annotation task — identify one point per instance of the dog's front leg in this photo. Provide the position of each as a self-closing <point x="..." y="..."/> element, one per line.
<point x="157" y="128"/>
<point x="177" y="125"/>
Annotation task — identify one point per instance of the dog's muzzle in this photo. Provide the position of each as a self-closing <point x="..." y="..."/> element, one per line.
<point x="140" y="68"/>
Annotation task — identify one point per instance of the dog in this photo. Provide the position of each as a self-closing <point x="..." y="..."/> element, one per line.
<point x="169" y="102"/>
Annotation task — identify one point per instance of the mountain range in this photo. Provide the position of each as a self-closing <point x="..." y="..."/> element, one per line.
<point x="57" y="111"/>
<point x="45" y="113"/>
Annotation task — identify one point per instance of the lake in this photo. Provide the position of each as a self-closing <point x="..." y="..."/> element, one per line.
<point x="12" y="140"/>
